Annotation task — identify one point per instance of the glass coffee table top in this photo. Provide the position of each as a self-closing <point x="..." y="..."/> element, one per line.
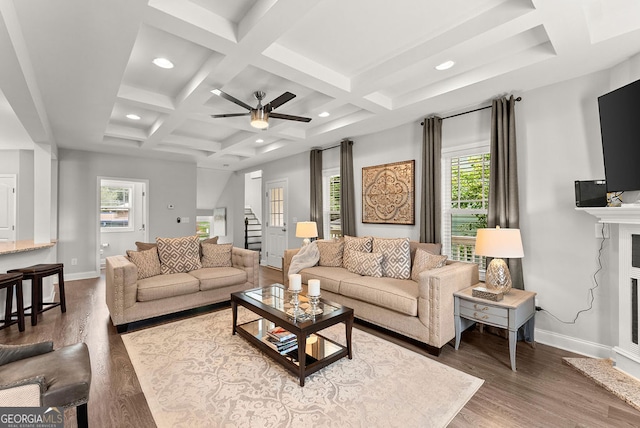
<point x="278" y="297"/>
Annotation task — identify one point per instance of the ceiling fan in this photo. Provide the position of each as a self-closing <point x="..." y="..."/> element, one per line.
<point x="261" y="113"/>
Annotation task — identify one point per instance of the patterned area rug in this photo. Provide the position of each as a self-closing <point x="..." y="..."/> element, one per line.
<point x="194" y="373"/>
<point x="602" y="372"/>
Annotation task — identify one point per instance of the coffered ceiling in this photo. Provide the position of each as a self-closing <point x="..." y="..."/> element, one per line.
<point x="72" y="70"/>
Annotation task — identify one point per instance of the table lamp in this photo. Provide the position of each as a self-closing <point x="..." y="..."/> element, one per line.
<point x="306" y="230"/>
<point x="499" y="244"/>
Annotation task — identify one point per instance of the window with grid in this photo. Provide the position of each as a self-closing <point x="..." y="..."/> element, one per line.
<point x="276" y="214"/>
<point x="331" y="204"/>
<point x="466" y="179"/>
<point x="115" y="208"/>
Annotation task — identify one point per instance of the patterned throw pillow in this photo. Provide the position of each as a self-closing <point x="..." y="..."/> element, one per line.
<point x="367" y="264"/>
<point x="179" y="254"/>
<point x="144" y="246"/>
<point x="396" y="262"/>
<point x="216" y="255"/>
<point x="351" y="245"/>
<point x="213" y="240"/>
<point x="424" y="260"/>
<point x="330" y="252"/>
<point x="147" y="262"/>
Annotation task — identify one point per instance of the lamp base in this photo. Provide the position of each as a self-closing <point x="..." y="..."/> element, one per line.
<point x="497" y="276"/>
<point x="306" y="241"/>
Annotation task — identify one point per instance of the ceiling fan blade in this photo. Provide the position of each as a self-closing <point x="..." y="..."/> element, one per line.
<point x="230" y="115"/>
<point x="289" y="117"/>
<point x="228" y="97"/>
<point x="284" y="98"/>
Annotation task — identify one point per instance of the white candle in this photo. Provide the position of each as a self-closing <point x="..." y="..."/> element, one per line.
<point x="295" y="282"/>
<point x="314" y="287"/>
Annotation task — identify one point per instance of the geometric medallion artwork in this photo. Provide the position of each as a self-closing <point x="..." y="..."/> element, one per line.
<point x="388" y="193"/>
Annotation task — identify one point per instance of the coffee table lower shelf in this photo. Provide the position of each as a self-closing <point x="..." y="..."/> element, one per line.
<point x="316" y="350"/>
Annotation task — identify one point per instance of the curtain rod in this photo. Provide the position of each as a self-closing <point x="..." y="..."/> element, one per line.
<point x="470" y="111"/>
<point x="332" y="147"/>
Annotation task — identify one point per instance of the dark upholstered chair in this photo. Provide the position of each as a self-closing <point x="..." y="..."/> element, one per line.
<point x="35" y="375"/>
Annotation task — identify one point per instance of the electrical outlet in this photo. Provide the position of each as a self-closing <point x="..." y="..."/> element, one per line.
<point x="602" y="228"/>
<point x="74" y="262"/>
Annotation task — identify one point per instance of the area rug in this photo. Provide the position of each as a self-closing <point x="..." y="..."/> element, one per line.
<point x="602" y="372"/>
<point x="195" y="373"/>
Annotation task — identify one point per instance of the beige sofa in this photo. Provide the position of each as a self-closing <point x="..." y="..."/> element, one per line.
<point x="420" y="310"/>
<point x="131" y="299"/>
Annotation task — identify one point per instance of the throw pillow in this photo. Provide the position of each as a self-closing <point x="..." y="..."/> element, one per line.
<point x="147" y="262"/>
<point x="330" y="252"/>
<point x="179" y="254"/>
<point x="428" y="247"/>
<point x="424" y="260"/>
<point x="396" y="261"/>
<point x="213" y="240"/>
<point x="216" y="255"/>
<point x="144" y="246"/>
<point x="352" y="245"/>
<point x="367" y="264"/>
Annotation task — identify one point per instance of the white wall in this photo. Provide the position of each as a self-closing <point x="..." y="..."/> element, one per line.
<point x="210" y="185"/>
<point x="253" y="192"/>
<point x="169" y="183"/>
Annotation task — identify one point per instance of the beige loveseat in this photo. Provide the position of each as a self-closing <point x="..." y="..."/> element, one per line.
<point x="421" y="310"/>
<point x="132" y="299"/>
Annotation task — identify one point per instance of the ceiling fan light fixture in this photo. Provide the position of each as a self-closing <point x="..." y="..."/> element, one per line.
<point x="259" y="119"/>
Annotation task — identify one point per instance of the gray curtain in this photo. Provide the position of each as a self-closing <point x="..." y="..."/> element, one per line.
<point x="503" y="207"/>
<point x="347" y="192"/>
<point x="430" y="202"/>
<point x="315" y="190"/>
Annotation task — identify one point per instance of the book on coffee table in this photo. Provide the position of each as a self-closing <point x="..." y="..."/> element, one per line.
<point x="280" y="334"/>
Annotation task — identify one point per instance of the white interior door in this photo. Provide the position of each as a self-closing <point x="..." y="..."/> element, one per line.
<point x="276" y="223"/>
<point x="7" y="207"/>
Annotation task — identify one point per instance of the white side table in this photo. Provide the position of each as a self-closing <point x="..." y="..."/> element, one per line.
<point x="513" y="311"/>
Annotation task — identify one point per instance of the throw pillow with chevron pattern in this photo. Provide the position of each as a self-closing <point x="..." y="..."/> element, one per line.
<point x="179" y="254"/>
<point x="216" y="255"/>
<point x="353" y="244"/>
<point x="396" y="261"/>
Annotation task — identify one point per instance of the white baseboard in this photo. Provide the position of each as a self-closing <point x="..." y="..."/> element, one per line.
<point x="81" y="275"/>
<point x="578" y="346"/>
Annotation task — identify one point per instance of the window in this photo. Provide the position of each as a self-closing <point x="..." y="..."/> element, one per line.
<point x="465" y="203"/>
<point x="276" y="212"/>
<point x="331" y="203"/>
<point x="115" y="208"/>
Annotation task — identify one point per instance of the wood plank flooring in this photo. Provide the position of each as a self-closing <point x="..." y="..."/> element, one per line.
<point x="544" y="392"/>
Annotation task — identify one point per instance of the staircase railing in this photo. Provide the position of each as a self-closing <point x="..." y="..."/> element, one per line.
<point x="246" y="233"/>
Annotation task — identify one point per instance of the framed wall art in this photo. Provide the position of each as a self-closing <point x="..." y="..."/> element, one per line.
<point x="388" y="193"/>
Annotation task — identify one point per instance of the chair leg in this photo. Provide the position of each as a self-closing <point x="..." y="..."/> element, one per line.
<point x="8" y="304"/>
<point x="63" y="300"/>
<point x="82" y="416"/>
<point x="35" y="298"/>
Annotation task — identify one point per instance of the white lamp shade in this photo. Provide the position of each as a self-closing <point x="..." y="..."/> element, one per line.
<point x="498" y="242"/>
<point x="306" y="229"/>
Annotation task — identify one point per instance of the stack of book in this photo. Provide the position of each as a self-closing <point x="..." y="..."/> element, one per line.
<point x="281" y="340"/>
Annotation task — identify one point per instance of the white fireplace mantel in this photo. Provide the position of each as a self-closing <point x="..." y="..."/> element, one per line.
<point x="629" y="214"/>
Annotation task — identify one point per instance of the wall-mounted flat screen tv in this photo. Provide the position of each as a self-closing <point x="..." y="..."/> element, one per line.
<point x="620" y="130"/>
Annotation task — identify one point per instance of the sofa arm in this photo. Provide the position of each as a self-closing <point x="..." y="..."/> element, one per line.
<point x="286" y="262"/>
<point x="121" y="286"/>
<point x="435" y="302"/>
<point x="249" y="261"/>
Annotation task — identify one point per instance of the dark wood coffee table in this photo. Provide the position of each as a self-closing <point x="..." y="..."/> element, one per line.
<point x="314" y="351"/>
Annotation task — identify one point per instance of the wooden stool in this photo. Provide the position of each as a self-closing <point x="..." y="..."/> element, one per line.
<point x="7" y="281"/>
<point x="35" y="273"/>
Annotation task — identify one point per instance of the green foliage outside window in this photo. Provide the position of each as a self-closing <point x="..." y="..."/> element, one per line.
<point x="470" y="191"/>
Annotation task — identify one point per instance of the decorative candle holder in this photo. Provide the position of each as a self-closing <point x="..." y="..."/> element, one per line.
<point x="295" y="311"/>
<point x="314" y="308"/>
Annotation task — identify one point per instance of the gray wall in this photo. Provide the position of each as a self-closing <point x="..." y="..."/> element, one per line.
<point x="169" y="183"/>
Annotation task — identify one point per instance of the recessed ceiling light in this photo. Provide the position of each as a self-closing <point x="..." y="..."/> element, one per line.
<point x="324" y="114"/>
<point x="216" y="92"/>
<point x="445" y="65"/>
<point x="163" y="63"/>
<point x="259" y="140"/>
<point x="133" y="117"/>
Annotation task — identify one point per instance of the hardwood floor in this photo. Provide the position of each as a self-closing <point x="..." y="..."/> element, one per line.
<point x="544" y="392"/>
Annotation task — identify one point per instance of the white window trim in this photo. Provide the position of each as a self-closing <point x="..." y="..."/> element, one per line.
<point x="481" y="147"/>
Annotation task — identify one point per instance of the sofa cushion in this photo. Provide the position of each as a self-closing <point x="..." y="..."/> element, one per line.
<point x="424" y="260"/>
<point x="329" y="277"/>
<point x="147" y="262"/>
<point x="330" y="252"/>
<point x="211" y="278"/>
<point x="400" y="295"/>
<point x="352" y="245"/>
<point x="368" y="264"/>
<point x="216" y="255"/>
<point x="169" y="285"/>
<point x="179" y="254"/>
<point x="396" y="261"/>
